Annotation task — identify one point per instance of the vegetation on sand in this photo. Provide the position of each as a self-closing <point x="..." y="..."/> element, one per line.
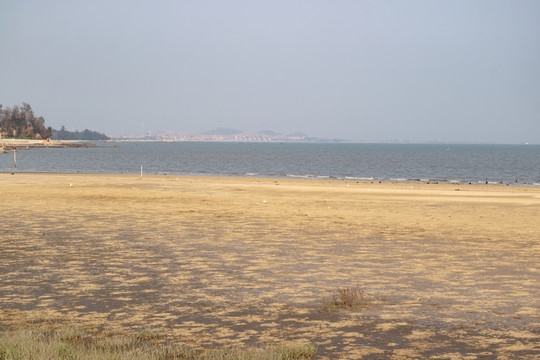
<point x="351" y="298"/>
<point x="75" y="343"/>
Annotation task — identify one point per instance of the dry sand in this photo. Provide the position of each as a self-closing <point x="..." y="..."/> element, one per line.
<point x="452" y="271"/>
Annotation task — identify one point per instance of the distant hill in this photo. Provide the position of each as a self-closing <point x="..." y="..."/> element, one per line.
<point x="223" y="131"/>
<point x="86" y="134"/>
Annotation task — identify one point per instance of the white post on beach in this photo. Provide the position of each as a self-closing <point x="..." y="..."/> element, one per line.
<point x="15" y="157"/>
<point x="141" y="172"/>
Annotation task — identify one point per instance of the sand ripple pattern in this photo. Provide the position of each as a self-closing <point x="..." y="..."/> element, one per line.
<point x="224" y="261"/>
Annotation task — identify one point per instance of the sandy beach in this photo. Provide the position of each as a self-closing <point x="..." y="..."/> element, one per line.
<point x="451" y="271"/>
<point x="26" y="144"/>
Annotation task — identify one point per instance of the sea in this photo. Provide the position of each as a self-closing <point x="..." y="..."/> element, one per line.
<point x="441" y="163"/>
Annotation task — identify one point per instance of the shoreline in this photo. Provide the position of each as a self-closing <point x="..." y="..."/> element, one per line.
<point x="448" y="183"/>
<point x="28" y="144"/>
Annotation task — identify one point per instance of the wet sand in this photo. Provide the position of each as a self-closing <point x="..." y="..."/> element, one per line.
<point x="452" y="271"/>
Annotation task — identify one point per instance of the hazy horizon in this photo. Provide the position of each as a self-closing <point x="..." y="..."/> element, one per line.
<point x="418" y="71"/>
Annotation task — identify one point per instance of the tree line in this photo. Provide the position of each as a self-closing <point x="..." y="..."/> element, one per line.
<point x="86" y="134"/>
<point x="20" y="122"/>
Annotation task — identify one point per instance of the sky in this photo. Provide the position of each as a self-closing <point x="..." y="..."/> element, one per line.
<point x="418" y="70"/>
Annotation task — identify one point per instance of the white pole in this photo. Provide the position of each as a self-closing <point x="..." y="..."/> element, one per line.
<point x="141" y="171"/>
<point x="15" y="157"/>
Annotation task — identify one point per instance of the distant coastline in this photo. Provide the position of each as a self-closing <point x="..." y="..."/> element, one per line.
<point x="267" y="136"/>
<point x="226" y="135"/>
<point x="22" y="144"/>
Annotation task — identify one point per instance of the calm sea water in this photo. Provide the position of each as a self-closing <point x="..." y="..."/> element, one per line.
<point x="507" y="164"/>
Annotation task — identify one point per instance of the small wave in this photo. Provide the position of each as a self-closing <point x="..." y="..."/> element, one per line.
<point x="252" y="174"/>
<point x="300" y="176"/>
<point x="327" y="177"/>
<point x="359" y="178"/>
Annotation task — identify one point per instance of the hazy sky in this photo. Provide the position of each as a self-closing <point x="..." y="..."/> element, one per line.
<point x="407" y="70"/>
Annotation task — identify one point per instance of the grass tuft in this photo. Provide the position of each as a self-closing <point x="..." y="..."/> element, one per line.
<point x="289" y="351"/>
<point x="148" y="334"/>
<point x="70" y="334"/>
<point x="348" y="298"/>
<point x="294" y="351"/>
